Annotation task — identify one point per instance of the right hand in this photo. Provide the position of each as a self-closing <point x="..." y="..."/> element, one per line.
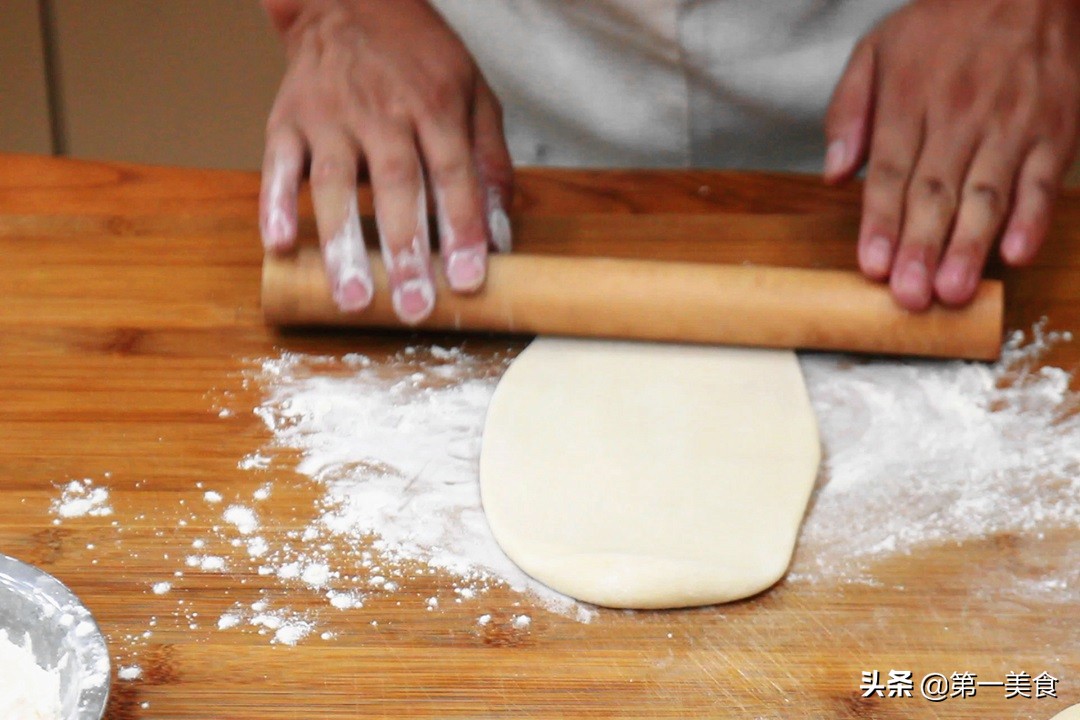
<point x="385" y="85"/>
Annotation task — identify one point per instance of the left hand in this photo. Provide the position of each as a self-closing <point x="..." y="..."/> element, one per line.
<point x="965" y="112"/>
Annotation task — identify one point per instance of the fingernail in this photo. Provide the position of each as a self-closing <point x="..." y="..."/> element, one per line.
<point x="878" y="254"/>
<point x="465" y="269"/>
<point x="835" y="157"/>
<point x="354" y="293"/>
<point x="347" y="264"/>
<point x="956" y="275"/>
<point x="1012" y="247"/>
<point x="278" y="230"/>
<point x="498" y="221"/>
<point x="279" y="227"/>
<point x="913" y="280"/>
<point x="414" y="300"/>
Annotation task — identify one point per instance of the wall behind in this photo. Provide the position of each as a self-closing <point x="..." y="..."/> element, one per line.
<point x="178" y="83"/>
<point x="24" y="96"/>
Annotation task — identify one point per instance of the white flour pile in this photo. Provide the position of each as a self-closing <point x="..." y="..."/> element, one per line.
<point x="80" y="498"/>
<point x="27" y="691"/>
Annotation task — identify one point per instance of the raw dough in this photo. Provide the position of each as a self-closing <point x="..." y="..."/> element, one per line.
<point x="1072" y="713"/>
<point x="643" y="475"/>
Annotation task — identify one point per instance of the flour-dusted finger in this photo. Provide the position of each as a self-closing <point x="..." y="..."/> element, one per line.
<point x="333" y="193"/>
<point x="397" y="181"/>
<point x="494" y="165"/>
<point x="444" y="140"/>
<point x="283" y="166"/>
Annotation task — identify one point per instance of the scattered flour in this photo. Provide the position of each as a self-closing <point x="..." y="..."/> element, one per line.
<point x="243" y="518"/>
<point x="346" y="600"/>
<point x="80" y="498"/>
<point x="316" y="575"/>
<point x="919" y="453"/>
<point x="209" y="563"/>
<point x="293" y="632"/>
<point x="257" y="547"/>
<point x="160" y="588"/>
<point x="287" y="628"/>
<point x="228" y="620"/>
<point x="255" y="461"/>
<point x="27" y="691"/>
<point x="128" y="673"/>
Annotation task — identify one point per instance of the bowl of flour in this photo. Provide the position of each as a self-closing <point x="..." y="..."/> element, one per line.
<point x="54" y="664"/>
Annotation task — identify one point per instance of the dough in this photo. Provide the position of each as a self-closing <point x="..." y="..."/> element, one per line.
<point x="639" y="475"/>
<point x="1072" y="713"/>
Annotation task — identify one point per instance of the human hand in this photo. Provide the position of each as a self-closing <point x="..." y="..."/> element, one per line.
<point x="966" y="114"/>
<point x="385" y="85"/>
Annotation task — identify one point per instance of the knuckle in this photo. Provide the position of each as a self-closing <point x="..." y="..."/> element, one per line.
<point x="1058" y="120"/>
<point x="1011" y="106"/>
<point x="379" y="99"/>
<point x="388" y="107"/>
<point x="443" y="98"/>
<point x="279" y="119"/>
<point x="932" y="189"/>
<point x="1043" y="187"/>
<point x="962" y="96"/>
<point x="451" y="169"/>
<point x="986" y="195"/>
<point x="904" y="74"/>
<point x="395" y="169"/>
<point x="283" y="137"/>
<point x="1009" y="123"/>
<point x="882" y="207"/>
<point x="331" y="169"/>
<point x="888" y="171"/>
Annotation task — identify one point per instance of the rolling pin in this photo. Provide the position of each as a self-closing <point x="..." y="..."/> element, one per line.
<point x="658" y="300"/>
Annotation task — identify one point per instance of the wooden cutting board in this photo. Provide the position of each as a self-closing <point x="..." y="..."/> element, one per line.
<point x="130" y="308"/>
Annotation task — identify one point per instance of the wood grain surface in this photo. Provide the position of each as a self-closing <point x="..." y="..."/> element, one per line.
<point x="130" y="313"/>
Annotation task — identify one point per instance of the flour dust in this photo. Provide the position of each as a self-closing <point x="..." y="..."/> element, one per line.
<point x="920" y="453"/>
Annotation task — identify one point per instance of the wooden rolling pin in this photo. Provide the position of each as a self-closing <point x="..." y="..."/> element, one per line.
<point x="658" y="300"/>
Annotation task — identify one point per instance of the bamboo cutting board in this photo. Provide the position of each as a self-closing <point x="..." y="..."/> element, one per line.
<point x="130" y="306"/>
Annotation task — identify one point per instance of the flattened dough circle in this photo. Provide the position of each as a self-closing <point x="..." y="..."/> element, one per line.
<point x="641" y="475"/>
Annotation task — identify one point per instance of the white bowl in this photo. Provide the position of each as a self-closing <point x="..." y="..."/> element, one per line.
<point x="62" y="634"/>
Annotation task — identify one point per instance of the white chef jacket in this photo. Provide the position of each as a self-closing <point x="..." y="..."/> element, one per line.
<point x="664" y="83"/>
